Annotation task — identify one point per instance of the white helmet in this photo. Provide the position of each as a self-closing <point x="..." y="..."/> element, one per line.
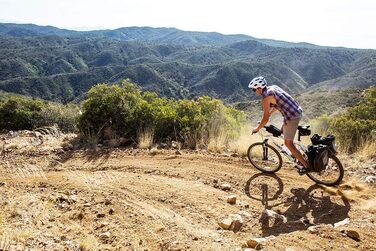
<point x="258" y="82"/>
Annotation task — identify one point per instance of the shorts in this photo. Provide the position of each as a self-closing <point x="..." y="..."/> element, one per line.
<point x="289" y="129"/>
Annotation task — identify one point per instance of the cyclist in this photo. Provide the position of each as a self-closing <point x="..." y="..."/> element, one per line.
<point x="274" y="98"/>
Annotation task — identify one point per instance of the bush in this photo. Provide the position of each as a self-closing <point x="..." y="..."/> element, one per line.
<point x="23" y="113"/>
<point x="20" y="113"/>
<point x="352" y="133"/>
<point x="358" y="124"/>
<point x="112" y="106"/>
<point x="65" y="116"/>
<point x="128" y="112"/>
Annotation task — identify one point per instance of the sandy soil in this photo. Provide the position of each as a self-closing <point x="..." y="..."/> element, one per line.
<point x="129" y="199"/>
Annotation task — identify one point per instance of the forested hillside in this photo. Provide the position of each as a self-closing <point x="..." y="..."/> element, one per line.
<point x="62" y="65"/>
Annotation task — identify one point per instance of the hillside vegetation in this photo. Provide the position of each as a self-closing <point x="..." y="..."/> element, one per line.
<point x="62" y="65"/>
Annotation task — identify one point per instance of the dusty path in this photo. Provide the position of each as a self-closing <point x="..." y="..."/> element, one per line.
<point x="132" y="200"/>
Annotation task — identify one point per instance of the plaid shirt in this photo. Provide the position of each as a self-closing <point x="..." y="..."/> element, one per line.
<point x="289" y="108"/>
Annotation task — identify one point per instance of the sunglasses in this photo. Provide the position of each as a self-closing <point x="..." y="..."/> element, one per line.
<point x="254" y="90"/>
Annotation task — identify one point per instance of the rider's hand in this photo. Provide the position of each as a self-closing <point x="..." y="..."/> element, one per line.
<point x="255" y="130"/>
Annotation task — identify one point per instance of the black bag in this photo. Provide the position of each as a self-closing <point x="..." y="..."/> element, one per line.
<point x="317" y="139"/>
<point x="273" y="130"/>
<point x="304" y="130"/>
<point x="328" y="141"/>
<point x="318" y="157"/>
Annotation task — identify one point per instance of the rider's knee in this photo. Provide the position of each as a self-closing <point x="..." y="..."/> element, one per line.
<point x="289" y="143"/>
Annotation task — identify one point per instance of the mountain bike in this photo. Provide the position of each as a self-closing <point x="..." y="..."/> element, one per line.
<point x="267" y="158"/>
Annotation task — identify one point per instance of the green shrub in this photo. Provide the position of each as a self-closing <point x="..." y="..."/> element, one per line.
<point x="352" y="133"/>
<point x="111" y="106"/>
<point x="20" y="113"/>
<point x="164" y="117"/>
<point x="24" y="113"/>
<point x="65" y="116"/>
<point x="126" y="110"/>
<point x="358" y="124"/>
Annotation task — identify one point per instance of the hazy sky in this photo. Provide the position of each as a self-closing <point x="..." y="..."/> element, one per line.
<point x="349" y="23"/>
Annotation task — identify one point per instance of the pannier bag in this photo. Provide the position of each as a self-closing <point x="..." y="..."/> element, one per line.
<point x="273" y="130"/>
<point x="318" y="157"/>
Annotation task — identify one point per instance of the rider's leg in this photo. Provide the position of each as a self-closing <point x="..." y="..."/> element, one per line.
<point x="289" y="131"/>
<point x="295" y="152"/>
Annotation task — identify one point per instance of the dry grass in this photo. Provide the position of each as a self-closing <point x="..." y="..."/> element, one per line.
<point x="367" y="150"/>
<point x="241" y="144"/>
<point x="145" y="138"/>
<point x="193" y="140"/>
<point x="15" y="237"/>
<point x="21" y="235"/>
<point x="5" y="242"/>
<point x="24" y="171"/>
<point x="11" y="235"/>
<point x="2" y="222"/>
<point x="91" y="138"/>
<point x="89" y="243"/>
<point x="217" y="143"/>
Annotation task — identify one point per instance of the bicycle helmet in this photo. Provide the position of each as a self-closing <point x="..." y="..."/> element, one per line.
<point x="258" y="82"/>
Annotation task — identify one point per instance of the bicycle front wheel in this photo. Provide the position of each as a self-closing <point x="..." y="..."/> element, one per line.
<point x="264" y="157"/>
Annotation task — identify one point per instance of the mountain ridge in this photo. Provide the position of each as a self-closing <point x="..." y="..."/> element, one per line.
<point x="144" y="33"/>
<point x="63" y="68"/>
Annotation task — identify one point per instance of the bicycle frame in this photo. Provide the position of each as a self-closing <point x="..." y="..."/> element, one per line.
<point x="298" y="143"/>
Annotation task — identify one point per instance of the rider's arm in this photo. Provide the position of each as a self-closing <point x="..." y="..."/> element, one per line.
<point x="266" y="107"/>
<point x="272" y="110"/>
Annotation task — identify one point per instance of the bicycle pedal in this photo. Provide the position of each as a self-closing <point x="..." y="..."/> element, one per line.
<point x="301" y="170"/>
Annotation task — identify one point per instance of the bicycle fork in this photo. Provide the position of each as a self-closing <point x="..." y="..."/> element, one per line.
<point x="264" y="150"/>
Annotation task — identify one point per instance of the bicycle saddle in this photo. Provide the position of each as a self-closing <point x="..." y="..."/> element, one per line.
<point x="303" y="127"/>
<point x="304" y="130"/>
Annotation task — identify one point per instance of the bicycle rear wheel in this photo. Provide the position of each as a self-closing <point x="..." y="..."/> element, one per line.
<point x="332" y="174"/>
<point x="264" y="157"/>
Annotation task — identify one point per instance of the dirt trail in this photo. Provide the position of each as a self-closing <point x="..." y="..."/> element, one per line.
<point x="133" y="200"/>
